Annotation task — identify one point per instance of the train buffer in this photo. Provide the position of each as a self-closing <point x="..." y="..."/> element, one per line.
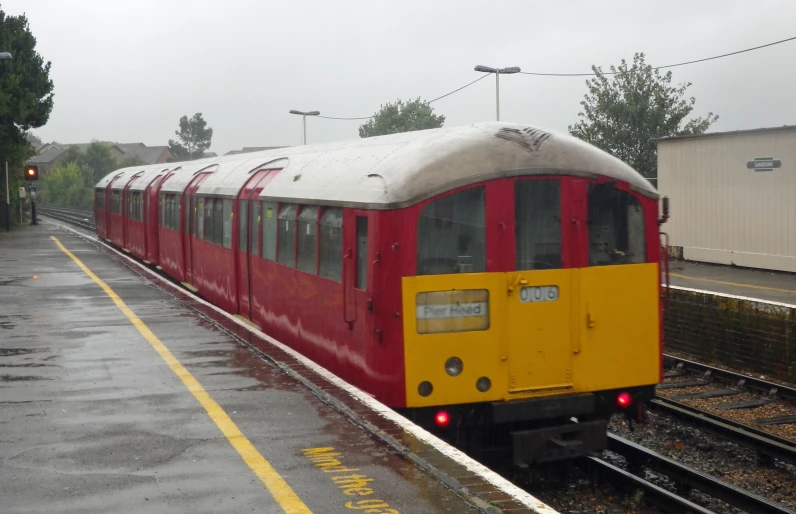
<point x="119" y="393"/>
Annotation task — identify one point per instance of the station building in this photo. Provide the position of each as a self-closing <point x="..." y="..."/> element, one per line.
<point x="733" y="197"/>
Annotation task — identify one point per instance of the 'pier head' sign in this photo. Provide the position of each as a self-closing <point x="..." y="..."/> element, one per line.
<point x="763" y="164"/>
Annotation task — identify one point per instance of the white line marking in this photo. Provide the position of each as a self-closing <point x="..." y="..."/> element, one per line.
<point x="454" y="454"/>
<point x="734" y="297"/>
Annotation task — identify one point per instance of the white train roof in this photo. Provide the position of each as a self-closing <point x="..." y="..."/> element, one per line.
<point x="401" y="169"/>
<point x="184" y="172"/>
<point x="147" y="176"/>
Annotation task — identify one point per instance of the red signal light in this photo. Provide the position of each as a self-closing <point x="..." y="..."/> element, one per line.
<point x="624" y="400"/>
<point x="442" y="418"/>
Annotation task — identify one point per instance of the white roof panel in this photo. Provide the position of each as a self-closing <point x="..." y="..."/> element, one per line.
<point x="400" y="169"/>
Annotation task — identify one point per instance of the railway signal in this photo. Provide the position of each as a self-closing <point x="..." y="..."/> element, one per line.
<point x="31" y="172"/>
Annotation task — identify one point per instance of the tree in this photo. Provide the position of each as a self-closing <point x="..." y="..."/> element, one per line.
<point x="26" y="100"/>
<point x="194" y="138"/>
<point x="33" y="139"/>
<point x="131" y="160"/>
<point x="95" y="162"/>
<point x="401" y="117"/>
<point x="67" y="186"/>
<point x="625" y="114"/>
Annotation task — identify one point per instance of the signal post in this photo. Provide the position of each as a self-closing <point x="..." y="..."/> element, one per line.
<point x="31" y="176"/>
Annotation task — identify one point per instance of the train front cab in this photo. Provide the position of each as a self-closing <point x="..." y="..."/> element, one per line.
<point x="534" y="300"/>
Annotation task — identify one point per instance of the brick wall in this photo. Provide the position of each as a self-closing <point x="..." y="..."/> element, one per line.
<point x="754" y="336"/>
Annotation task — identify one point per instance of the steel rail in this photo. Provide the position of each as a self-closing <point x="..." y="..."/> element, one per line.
<point x="758" y="384"/>
<point x="763" y="442"/>
<point x="666" y="500"/>
<point x="81" y="218"/>
<point x="682" y="475"/>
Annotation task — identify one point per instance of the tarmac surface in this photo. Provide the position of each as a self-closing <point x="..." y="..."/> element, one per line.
<point x="94" y="417"/>
<point x="752" y="283"/>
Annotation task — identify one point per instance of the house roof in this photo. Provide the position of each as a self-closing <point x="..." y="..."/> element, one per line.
<point x="148" y="154"/>
<point x="47" y="156"/>
<point x="784" y="128"/>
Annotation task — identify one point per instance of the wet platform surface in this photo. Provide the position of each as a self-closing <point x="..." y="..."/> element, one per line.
<point x="761" y="284"/>
<point x="92" y="419"/>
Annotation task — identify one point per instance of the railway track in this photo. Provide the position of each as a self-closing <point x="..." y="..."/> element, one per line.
<point x="685" y="479"/>
<point x="83" y="219"/>
<point x="728" y="384"/>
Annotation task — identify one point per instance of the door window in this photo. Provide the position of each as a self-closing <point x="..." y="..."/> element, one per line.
<point x="287" y="235"/>
<point x="243" y="225"/>
<point x="616" y="227"/>
<point x="451" y="234"/>
<point x="269" y="231"/>
<point x="362" y="253"/>
<point x="537" y="224"/>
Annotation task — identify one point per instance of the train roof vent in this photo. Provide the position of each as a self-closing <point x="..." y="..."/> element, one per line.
<point x="529" y="138"/>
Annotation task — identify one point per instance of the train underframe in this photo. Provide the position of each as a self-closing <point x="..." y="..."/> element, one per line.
<point x="534" y="431"/>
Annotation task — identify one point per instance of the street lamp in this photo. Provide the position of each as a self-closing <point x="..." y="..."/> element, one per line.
<point x="497" y="72"/>
<point x="5" y="56"/>
<point x="304" y="122"/>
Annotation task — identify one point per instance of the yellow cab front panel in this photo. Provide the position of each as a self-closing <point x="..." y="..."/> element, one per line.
<point x="586" y="320"/>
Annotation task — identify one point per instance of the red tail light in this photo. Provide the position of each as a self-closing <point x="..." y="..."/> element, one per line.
<point x="624" y="400"/>
<point x="442" y="418"/>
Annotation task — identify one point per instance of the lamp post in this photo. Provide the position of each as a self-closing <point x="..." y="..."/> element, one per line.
<point x="5" y="56"/>
<point x="497" y="72"/>
<point x="304" y="122"/>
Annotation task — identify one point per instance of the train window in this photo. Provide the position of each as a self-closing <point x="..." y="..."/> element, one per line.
<point x="218" y="221"/>
<point x="256" y="210"/>
<point x="451" y="234"/>
<point x="146" y="205"/>
<point x="537" y="224"/>
<point x="269" y="231"/>
<point x="186" y="214"/>
<point x="616" y="227"/>
<point x="243" y="225"/>
<point x="200" y="218"/>
<point x="208" y="225"/>
<point x="307" y="258"/>
<point x="286" y="239"/>
<point x="362" y="253"/>
<point x="331" y="244"/>
<point x="228" y="217"/>
<point x="175" y="212"/>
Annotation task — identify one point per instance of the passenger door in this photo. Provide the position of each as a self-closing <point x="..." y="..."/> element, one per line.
<point x="189" y="217"/>
<point x="248" y="232"/>
<point x="359" y="229"/>
<point x="541" y="294"/>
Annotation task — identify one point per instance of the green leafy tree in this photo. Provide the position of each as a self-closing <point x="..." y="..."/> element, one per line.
<point x="26" y="100"/>
<point x="401" y="117"/>
<point x="194" y="138"/>
<point x="626" y="112"/>
<point x="33" y="139"/>
<point x="66" y="186"/>
<point x="131" y="160"/>
<point x="95" y="162"/>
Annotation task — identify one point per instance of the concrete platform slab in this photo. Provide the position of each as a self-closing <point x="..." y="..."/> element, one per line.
<point x="760" y="284"/>
<point x="94" y="419"/>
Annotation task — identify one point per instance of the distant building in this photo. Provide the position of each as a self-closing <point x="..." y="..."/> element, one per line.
<point x="732" y="196"/>
<point x="248" y="149"/>
<point x="49" y="155"/>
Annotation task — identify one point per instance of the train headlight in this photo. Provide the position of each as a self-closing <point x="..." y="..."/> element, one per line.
<point x="425" y="388"/>
<point x="483" y="384"/>
<point x="453" y="366"/>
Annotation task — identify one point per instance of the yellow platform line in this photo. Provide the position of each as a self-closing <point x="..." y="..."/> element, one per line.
<point x="750" y="286"/>
<point x="276" y="485"/>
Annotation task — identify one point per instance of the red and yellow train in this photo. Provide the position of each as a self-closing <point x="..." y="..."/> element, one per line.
<point x="491" y="277"/>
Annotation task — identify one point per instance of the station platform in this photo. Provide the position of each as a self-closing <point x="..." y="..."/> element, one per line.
<point x="119" y="393"/>
<point x="751" y="283"/>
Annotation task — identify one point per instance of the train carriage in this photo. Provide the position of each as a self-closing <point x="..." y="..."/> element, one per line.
<point x="139" y="235"/>
<point x="493" y="277"/>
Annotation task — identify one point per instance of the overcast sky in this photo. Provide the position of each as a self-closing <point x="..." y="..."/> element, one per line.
<point x="126" y="71"/>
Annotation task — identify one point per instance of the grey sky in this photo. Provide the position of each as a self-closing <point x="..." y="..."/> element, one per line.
<point x="127" y="70"/>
